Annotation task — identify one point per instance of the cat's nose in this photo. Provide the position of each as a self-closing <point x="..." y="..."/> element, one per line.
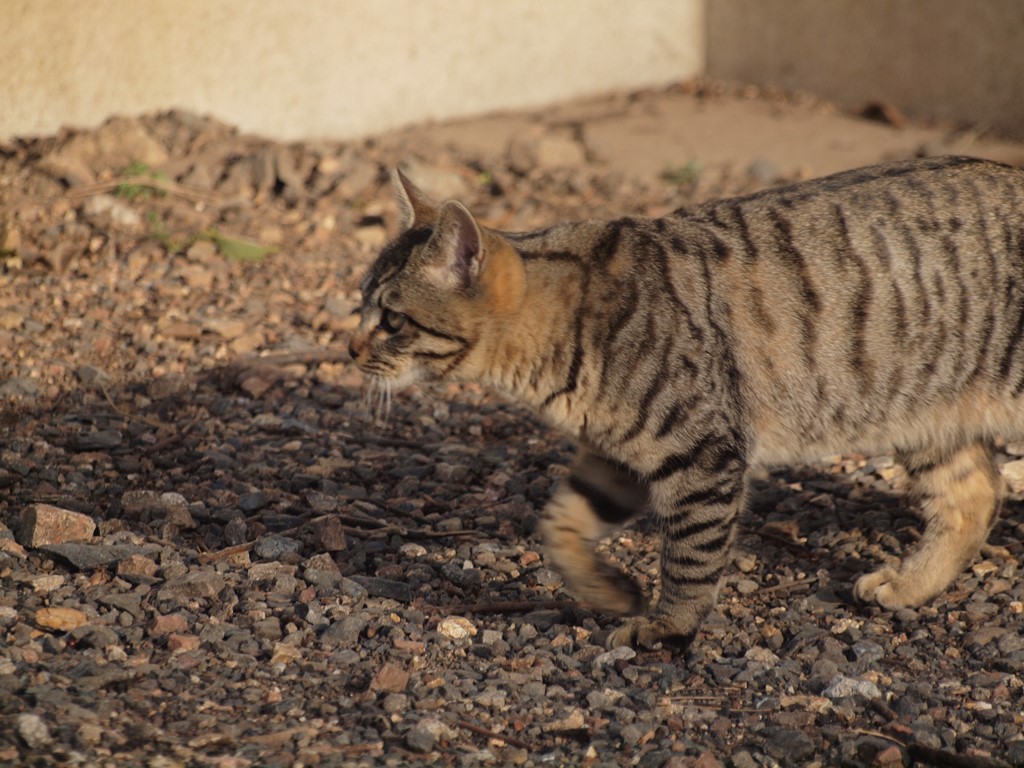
<point x="356" y="345"/>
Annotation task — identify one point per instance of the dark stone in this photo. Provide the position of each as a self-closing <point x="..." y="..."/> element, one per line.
<point x="420" y="739"/>
<point x="95" y="441"/>
<point x="252" y="502"/>
<point x="789" y="745"/>
<point x="86" y="557"/>
<point x="543" y="620"/>
<point x="95" y="636"/>
<point x="378" y="587"/>
<point x="344" y="632"/>
<point x="274" y="547"/>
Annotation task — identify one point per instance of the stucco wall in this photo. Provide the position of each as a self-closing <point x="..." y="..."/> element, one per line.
<point x="344" y="68"/>
<point x="329" y="68"/>
<point x="933" y="59"/>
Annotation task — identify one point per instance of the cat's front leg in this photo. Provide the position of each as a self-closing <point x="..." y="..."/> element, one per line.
<point x="598" y="496"/>
<point x="697" y="495"/>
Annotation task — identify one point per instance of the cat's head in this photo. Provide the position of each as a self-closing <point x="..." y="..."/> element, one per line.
<point x="439" y="295"/>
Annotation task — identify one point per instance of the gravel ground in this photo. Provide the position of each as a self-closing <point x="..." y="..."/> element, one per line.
<point x="215" y="550"/>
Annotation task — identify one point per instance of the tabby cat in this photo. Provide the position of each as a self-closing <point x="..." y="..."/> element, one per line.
<point x="873" y="309"/>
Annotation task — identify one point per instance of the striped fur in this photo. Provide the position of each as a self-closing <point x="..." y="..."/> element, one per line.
<point x="874" y="309"/>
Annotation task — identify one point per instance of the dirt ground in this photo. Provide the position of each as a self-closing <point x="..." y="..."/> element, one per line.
<point x="214" y="551"/>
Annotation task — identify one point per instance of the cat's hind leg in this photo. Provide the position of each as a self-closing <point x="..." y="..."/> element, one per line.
<point x="598" y="496"/>
<point x="959" y="492"/>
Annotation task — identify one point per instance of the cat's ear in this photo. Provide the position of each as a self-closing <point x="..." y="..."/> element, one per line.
<point x="414" y="206"/>
<point x="458" y="247"/>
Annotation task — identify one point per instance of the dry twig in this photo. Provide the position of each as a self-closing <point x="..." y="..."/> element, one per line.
<point x="481" y="731"/>
<point x="511" y="606"/>
<point x="161" y="185"/>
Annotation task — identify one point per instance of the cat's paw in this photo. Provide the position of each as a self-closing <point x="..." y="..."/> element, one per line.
<point x="614" y="592"/>
<point x="884" y="587"/>
<point x="650" y="633"/>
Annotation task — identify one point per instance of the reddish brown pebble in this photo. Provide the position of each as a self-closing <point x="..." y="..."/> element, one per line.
<point x="889" y="756"/>
<point x="329" y="534"/>
<point x="182" y="643"/>
<point x="390" y="678"/>
<point x="45" y="524"/>
<point x="165" y="625"/>
<point x="137" y="565"/>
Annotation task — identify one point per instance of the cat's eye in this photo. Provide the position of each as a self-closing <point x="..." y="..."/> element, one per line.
<point x="392" y="321"/>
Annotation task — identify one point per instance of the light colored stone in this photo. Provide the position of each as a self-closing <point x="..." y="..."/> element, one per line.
<point x="59" y="618"/>
<point x="183" y="643"/>
<point x="574" y="720"/>
<point x="608" y="658"/>
<point x="456" y="627"/>
<point x="137" y="565"/>
<point x="842" y="686"/>
<point x="32" y="730"/>
<point x="45" y="524"/>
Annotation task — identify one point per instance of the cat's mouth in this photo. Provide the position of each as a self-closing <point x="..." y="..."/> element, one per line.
<point x="379" y="389"/>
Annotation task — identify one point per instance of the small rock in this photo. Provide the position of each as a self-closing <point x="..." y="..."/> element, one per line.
<point x="275" y="547"/>
<point x="268" y="628"/>
<point x="19" y="386"/>
<point x="792" y="745"/>
<point x="890" y="756"/>
<point x="168" y="385"/>
<point x="746" y="563"/>
<point x="46" y="583"/>
<point x="285" y="653"/>
<point x="353" y="589"/>
<point x="378" y="587"/>
<point x="816" y="704"/>
<point x="182" y="643"/>
<point x="45" y="524"/>
<point x="426" y="734"/>
<point x="867" y="653"/>
<point x="206" y="584"/>
<point x="707" y="760"/>
<point x="456" y="627"/>
<point x="395" y="703"/>
<point x="11" y="547"/>
<point x="172" y="623"/>
<point x="412" y="550"/>
<point x="62" y="619"/>
<point x="743" y="759"/>
<point x="746" y="586"/>
<point x="344" y="632"/>
<point x="225" y="327"/>
<point x="107" y="210"/>
<point x="390" y="678"/>
<point x="841" y="686"/>
<point x="137" y="565"/>
<point x="89" y="556"/>
<point x="151" y="505"/>
<point x="329" y="534"/>
<point x="253" y="501"/>
<point x="99" y="440"/>
<point x="95" y="636"/>
<point x="608" y="658"/>
<point x="93" y="378"/>
<point x="571" y="722"/>
<point x="761" y="656"/>
<point x="32" y="730"/>
<point x="181" y="330"/>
